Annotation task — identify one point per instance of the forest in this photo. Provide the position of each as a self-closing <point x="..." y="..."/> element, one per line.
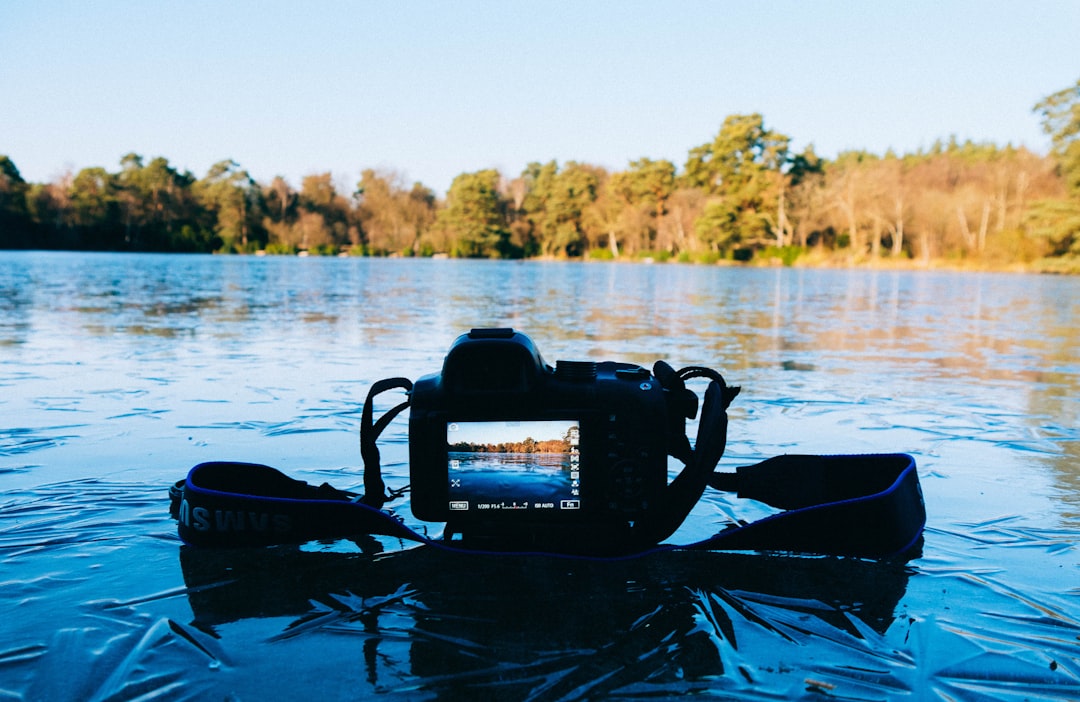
<point x="528" y="445"/>
<point x="745" y="195"/>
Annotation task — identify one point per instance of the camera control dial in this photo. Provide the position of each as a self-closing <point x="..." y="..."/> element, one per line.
<point x="583" y="371"/>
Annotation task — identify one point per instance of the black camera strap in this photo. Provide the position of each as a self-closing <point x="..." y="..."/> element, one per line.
<point x="845" y="505"/>
<point x="858" y="505"/>
<point x="229" y="504"/>
<point x="374" y="488"/>
<point x="687" y="488"/>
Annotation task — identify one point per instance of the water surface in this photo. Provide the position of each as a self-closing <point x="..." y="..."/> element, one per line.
<point x="120" y="372"/>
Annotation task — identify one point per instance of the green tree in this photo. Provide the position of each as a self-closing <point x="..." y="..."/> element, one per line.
<point x="538" y="180"/>
<point x="159" y="209"/>
<point x="675" y="233"/>
<point x="15" y="222"/>
<point x="605" y="219"/>
<point x="575" y="188"/>
<point x="648" y="182"/>
<point x="718" y="226"/>
<point x="231" y="197"/>
<point x="555" y="204"/>
<point x="739" y="171"/>
<point x="92" y="194"/>
<point x="742" y="152"/>
<point x="474" y="219"/>
<point x="171" y="207"/>
<point x="645" y="188"/>
<point x="537" y="183"/>
<point x="1060" y="114"/>
<point x="1058" y="220"/>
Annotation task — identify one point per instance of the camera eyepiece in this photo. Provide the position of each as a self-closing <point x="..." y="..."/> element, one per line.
<point x="492" y="362"/>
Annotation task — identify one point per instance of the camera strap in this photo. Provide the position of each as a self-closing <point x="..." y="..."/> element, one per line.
<point x="845" y="505"/>
<point x="699" y="462"/>
<point x="857" y="505"/>
<point x="867" y="505"/>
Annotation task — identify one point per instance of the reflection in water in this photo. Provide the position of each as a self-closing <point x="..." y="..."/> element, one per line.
<point x="120" y="372"/>
<point x="98" y="606"/>
<point x="546" y="626"/>
<point x="990" y="326"/>
<point x="990" y="344"/>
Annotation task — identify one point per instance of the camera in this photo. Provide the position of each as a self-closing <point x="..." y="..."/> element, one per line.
<point x="516" y="456"/>
<point x="503" y="445"/>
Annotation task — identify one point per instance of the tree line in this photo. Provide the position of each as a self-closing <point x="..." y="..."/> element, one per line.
<point x="528" y="445"/>
<point x="745" y="194"/>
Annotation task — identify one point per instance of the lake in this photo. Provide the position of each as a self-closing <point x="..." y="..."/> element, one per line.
<point x="119" y="372"/>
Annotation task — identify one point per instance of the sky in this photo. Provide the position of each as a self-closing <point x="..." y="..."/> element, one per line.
<point x="431" y="90"/>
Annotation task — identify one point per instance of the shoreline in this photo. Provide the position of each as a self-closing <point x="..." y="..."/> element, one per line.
<point x="807" y="260"/>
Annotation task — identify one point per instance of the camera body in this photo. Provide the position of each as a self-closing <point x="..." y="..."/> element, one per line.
<point x="500" y="443"/>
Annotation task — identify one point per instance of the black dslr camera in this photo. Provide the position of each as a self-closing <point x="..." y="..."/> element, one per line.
<point x="503" y="447"/>
<point x="514" y="455"/>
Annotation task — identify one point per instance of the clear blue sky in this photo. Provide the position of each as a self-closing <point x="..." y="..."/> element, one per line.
<point x="435" y="89"/>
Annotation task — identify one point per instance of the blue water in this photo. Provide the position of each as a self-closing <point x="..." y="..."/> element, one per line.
<point x="120" y="372"/>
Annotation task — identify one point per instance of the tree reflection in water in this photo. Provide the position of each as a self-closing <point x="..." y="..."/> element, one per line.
<point x="531" y="625"/>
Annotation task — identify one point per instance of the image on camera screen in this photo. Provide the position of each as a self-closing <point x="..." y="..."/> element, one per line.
<point x="514" y="465"/>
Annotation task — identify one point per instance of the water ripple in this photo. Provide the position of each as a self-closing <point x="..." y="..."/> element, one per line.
<point x="121" y="372"/>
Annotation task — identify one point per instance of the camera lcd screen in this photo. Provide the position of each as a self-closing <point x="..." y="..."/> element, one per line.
<point x="526" y="466"/>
